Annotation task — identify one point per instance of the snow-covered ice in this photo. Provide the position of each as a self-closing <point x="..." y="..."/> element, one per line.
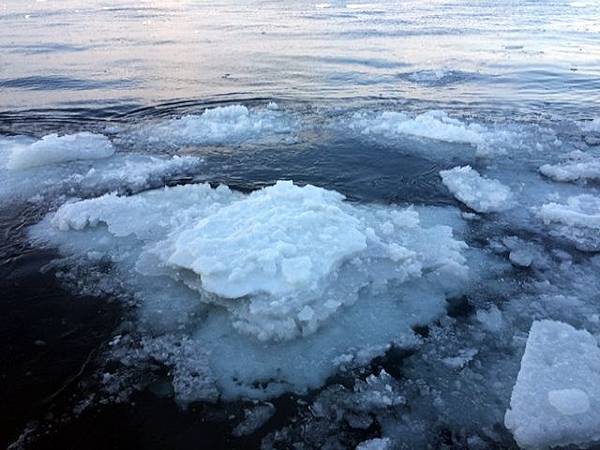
<point x="285" y="263"/>
<point x="579" y="166"/>
<point x="55" y="149"/>
<point x="81" y="164"/>
<point x="556" y="398"/>
<point x="482" y="194"/>
<point x="223" y="125"/>
<point x="577" y="220"/>
<point x="435" y="125"/>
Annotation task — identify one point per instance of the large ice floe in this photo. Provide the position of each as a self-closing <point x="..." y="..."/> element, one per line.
<point x="284" y="278"/>
<point x="556" y="399"/>
<point x="479" y="193"/>
<point x="231" y="125"/>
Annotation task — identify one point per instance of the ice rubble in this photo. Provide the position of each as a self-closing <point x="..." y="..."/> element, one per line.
<point x="435" y="125"/>
<point x="556" y="399"/>
<point x="233" y="124"/>
<point x="55" y="149"/>
<point x="579" y="166"/>
<point x="479" y="193"/>
<point x="578" y="220"/>
<point x="278" y="264"/>
<point x="113" y="172"/>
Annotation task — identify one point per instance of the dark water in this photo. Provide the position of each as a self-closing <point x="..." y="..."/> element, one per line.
<point x="70" y="65"/>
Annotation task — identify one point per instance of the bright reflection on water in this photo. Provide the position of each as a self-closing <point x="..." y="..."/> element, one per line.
<point x="518" y="53"/>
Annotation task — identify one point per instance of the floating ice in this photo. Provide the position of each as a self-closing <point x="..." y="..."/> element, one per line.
<point x="375" y="444"/>
<point x="556" y="399"/>
<point x="477" y="192"/>
<point x="592" y="125"/>
<point x="290" y="277"/>
<point x="435" y="125"/>
<point x="579" y="166"/>
<point x="55" y="149"/>
<point x="224" y="125"/>
<point x="39" y="177"/>
<point x="254" y="419"/>
<point x="578" y="220"/>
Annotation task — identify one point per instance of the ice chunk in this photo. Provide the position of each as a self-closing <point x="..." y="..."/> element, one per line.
<point x="592" y="125"/>
<point x="556" y="399"/>
<point x="120" y="172"/>
<point x="287" y="277"/>
<point x="279" y="240"/>
<point x="279" y="248"/>
<point x="55" y="149"/>
<point x="375" y="444"/>
<point x="254" y="419"/>
<point x="579" y="166"/>
<point x="232" y="124"/>
<point x="477" y="192"/>
<point x="490" y="319"/>
<point x="578" y="220"/>
<point x="435" y="125"/>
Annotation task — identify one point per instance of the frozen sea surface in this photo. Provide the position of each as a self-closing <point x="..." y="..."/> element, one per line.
<point x="302" y="225"/>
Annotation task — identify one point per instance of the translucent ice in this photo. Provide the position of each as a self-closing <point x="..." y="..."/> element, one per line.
<point x="578" y="166"/>
<point x="477" y="192"/>
<point x="288" y="277"/>
<point x="578" y="220"/>
<point x="54" y="149"/>
<point x="556" y="399"/>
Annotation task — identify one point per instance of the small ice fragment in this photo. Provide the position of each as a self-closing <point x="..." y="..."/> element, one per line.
<point x="521" y="258"/>
<point x="254" y="419"/>
<point x="491" y="319"/>
<point x="477" y="192"/>
<point x="375" y="444"/>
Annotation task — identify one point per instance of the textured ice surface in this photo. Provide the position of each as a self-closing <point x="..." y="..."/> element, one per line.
<point x="292" y="277"/>
<point x="375" y="444"/>
<point x="227" y="125"/>
<point x="477" y="192"/>
<point x="578" y="220"/>
<point x="435" y="125"/>
<point x="55" y="149"/>
<point x="579" y="166"/>
<point x="114" y="172"/>
<point x="556" y="399"/>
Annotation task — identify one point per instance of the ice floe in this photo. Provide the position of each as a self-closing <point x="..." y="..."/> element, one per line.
<point x="578" y="220"/>
<point x="285" y="263"/>
<point x="579" y="166"/>
<point x="556" y="399"/>
<point x="479" y="193"/>
<point x="435" y="125"/>
<point x="223" y="125"/>
<point x="82" y="164"/>
<point x="55" y="149"/>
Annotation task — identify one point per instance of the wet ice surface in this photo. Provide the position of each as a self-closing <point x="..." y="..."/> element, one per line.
<point x="311" y="242"/>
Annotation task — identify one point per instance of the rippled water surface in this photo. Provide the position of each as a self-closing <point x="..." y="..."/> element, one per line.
<point x="107" y="344"/>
